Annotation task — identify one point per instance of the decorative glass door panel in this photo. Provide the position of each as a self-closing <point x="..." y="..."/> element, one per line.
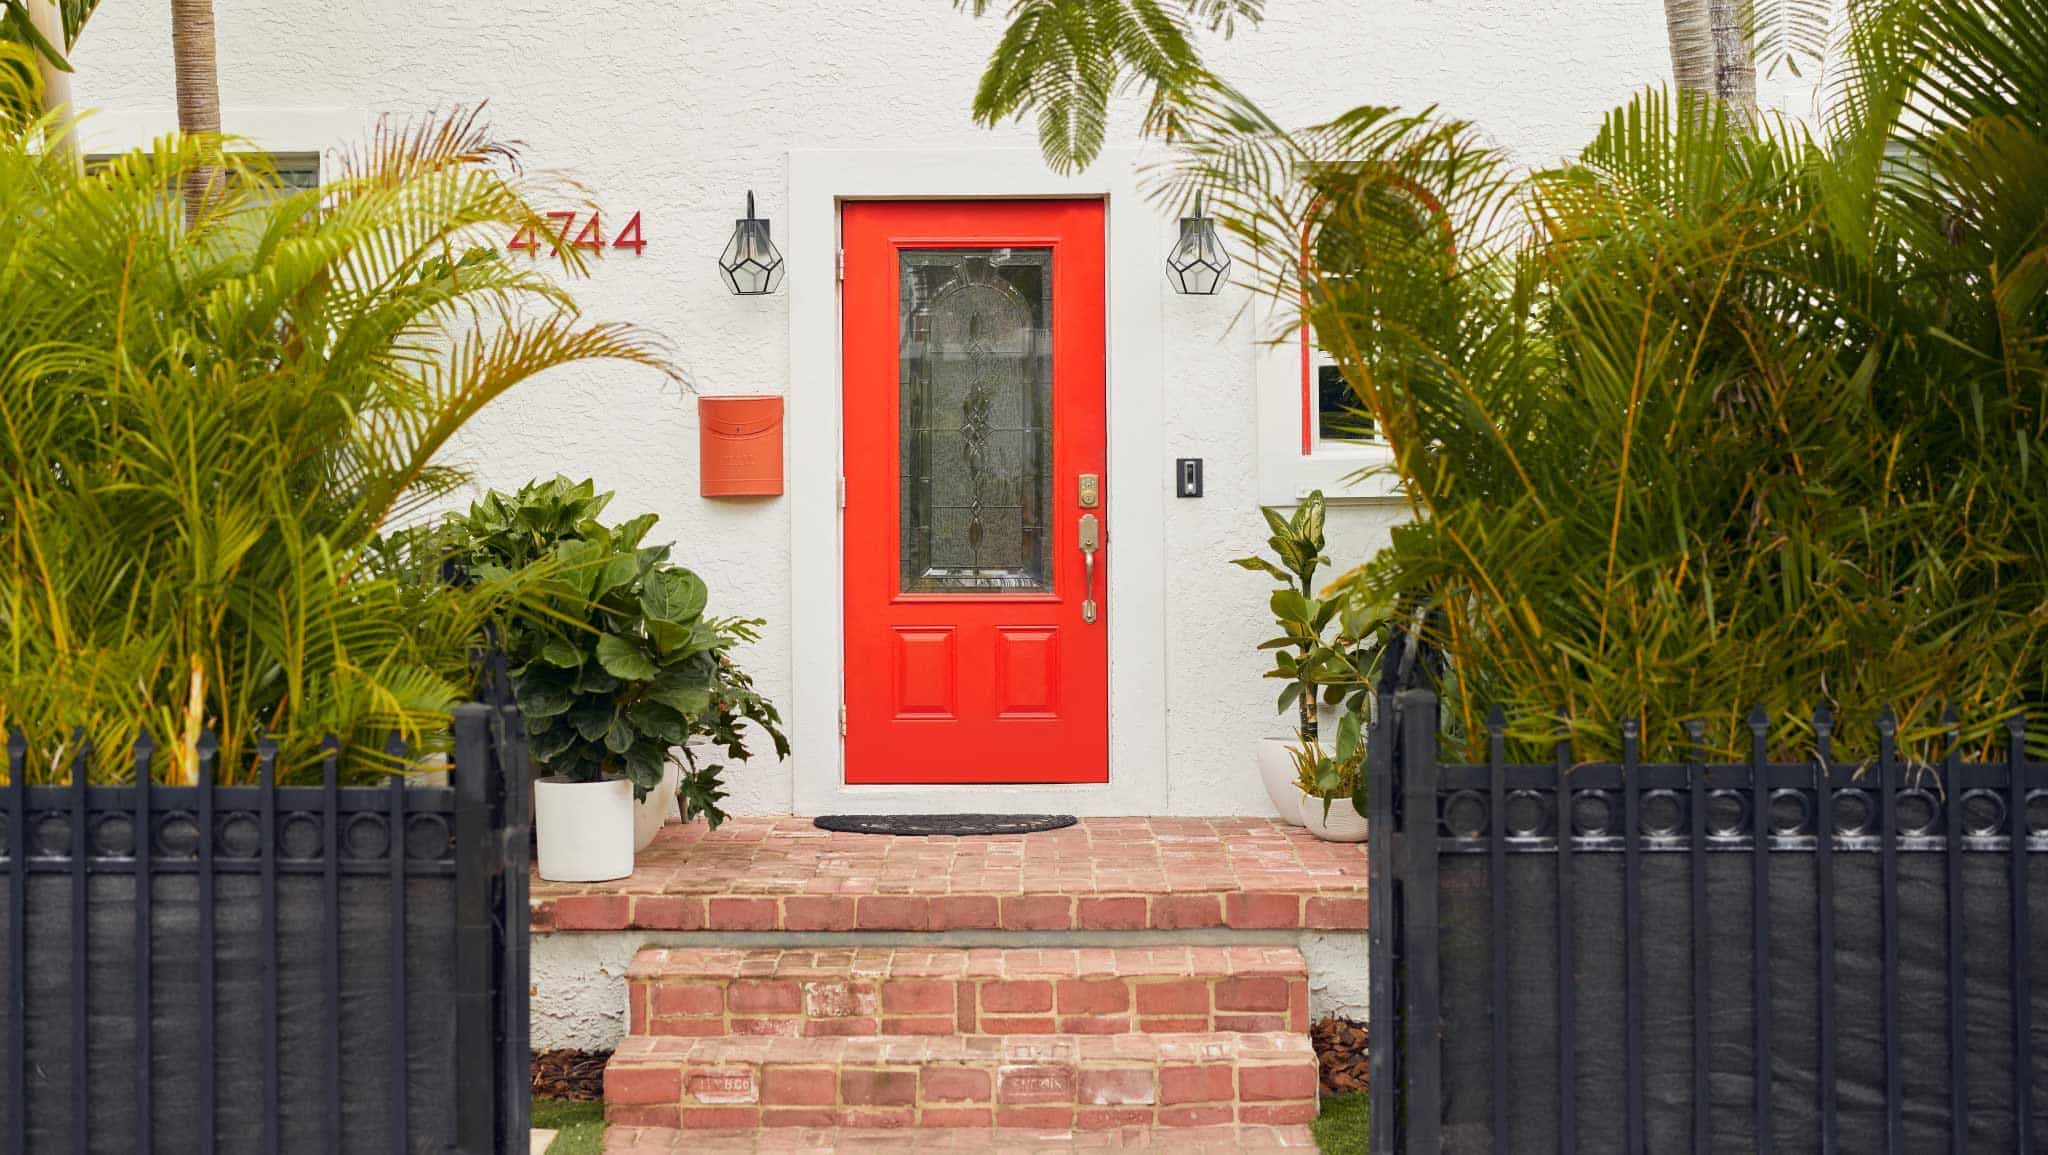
<point x="975" y="419"/>
<point x="976" y="619"/>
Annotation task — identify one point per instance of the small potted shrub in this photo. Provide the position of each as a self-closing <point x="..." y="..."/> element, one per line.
<point x="1328" y="780"/>
<point x="1326" y="651"/>
<point x="616" y="668"/>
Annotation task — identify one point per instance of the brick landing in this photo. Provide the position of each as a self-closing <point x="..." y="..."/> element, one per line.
<point x="783" y="874"/>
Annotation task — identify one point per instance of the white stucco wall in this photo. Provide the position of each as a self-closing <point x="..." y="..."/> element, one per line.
<point x="676" y="109"/>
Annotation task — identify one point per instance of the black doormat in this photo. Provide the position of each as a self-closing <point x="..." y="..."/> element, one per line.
<point x="927" y="824"/>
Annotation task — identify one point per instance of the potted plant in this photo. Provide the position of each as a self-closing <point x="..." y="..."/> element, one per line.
<point x="615" y="665"/>
<point x="1325" y="653"/>
<point x="1328" y="781"/>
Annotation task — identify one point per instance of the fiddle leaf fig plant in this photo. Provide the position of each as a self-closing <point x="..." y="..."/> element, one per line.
<point x="614" y="662"/>
<point x="1322" y="668"/>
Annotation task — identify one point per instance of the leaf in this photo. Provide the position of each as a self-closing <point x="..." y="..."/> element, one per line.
<point x="541" y="698"/>
<point x="548" y="743"/>
<point x="594" y="680"/>
<point x="660" y="721"/>
<point x="645" y="764"/>
<point x="559" y="651"/>
<point x="1308" y="521"/>
<point x="1291" y="606"/>
<point x="1261" y="565"/>
<point x="592" y="719"/>
<point x="618" y="737"/>
<point x="673" y="596"/>
<point x="623" y="659"/>
<point x="685" y="691"/>
<point x="1349" y="739"/>
<point x="617" y="573"/>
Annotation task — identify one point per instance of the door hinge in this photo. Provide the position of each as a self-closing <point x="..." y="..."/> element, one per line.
<point x="842" y="491"/>
<point x="842" y="719"/>
<point x="842" y="264"/>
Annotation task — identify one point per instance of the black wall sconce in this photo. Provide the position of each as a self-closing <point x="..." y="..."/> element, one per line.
<point x="751" y="265"/>
<point x="1197" y="264"/>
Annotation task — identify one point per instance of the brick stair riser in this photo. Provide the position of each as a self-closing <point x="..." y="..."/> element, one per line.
<point x="1252" y="910"/>
<point x="1086" y="1096"/>
<point x="828" y="1007"/>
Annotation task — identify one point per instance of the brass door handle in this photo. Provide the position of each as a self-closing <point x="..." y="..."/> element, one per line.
<point x="1091" y="541"/>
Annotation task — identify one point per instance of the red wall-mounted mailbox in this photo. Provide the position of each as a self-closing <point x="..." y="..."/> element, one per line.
<point x="739" y="446"/>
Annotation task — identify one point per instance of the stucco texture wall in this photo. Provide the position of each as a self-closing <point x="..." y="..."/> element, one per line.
<point x="674" y="110"/>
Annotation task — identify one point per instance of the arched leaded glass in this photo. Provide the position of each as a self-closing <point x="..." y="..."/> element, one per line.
<point x="976" y="419"/>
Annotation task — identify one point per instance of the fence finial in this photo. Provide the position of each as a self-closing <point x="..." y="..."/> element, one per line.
<point x="1496" y="720"/>
<point x="81" y="762"/>
<point x="1887" y="722"/>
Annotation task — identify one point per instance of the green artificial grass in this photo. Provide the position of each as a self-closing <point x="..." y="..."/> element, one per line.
<point x="581" y="1125"/>
<point x="1341" y="1129"/>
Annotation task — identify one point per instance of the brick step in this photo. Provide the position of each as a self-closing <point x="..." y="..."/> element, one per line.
<point x="839" y="991"/>
<point x="1223" y="1140"/>
<point x="1055" y="1083"/>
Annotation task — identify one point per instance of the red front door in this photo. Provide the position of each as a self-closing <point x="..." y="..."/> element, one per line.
<point x="976" y="506"/>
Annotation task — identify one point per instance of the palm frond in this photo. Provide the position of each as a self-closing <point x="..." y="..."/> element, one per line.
<point x="208" y="425"/>
<point x="1724" y="411"/>
<point x="1064" y="61"/>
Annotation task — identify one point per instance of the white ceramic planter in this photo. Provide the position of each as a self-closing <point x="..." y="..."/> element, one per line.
<point x="1276" y="772"/>
<point x="585" y="829"/>
<point x="658" y="808"/>
<point x="1343" y="823"/>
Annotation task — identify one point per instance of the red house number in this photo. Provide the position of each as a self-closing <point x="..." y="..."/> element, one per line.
<point x="590" y="236"/>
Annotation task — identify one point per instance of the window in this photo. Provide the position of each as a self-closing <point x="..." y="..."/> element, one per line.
<point x="296" y="171"/>
<point x="1311" y="433"/>
<point x="1338" y="418"/>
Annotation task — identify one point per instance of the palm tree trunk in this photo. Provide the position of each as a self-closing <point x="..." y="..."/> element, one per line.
<point x="1690" y="26"/>
<point x="49" y="23"/>
<point x="1735" y="58"/>
<point x="1711" y="53"/>
<point x="192" y="49"/>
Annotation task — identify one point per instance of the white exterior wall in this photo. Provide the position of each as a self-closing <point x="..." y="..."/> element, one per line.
<point x="676" y="109"/>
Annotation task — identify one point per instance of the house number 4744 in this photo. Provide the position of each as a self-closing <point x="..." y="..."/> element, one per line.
<point x="530" y="240"/>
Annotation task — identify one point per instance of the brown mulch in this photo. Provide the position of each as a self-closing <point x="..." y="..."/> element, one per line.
<point x="576" y="1076"/>
<point x="1341" y="1054"/>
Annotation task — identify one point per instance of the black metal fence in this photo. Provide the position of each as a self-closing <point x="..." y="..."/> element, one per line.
<point x="265" y="968"/>
<point x="1758" y="956"/>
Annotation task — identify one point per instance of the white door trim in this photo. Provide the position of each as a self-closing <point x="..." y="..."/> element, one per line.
<point x="819" y="182"/>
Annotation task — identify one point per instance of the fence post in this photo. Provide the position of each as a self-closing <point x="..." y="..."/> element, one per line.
<point x="514" y="777"/>
<point x="1383" y="1017"/>
<point x="476" y="862"/>
<point x="1421" y="1012"/>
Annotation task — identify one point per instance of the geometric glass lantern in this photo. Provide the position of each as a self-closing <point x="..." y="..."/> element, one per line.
<point x="750" y="265"/>
<point x="1197" y="264"/>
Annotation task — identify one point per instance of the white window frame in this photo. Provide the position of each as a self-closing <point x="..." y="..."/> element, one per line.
<point x="324" y="132"/>
<point x="1286" y="405"/>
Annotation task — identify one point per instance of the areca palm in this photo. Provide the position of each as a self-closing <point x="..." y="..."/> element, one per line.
<point x="204" y="427"/>
<point x="1721" y="413"/>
